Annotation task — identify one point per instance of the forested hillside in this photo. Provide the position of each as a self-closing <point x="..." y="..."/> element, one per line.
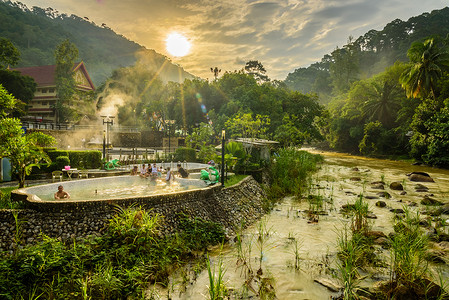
<point x="367" y="55"/>
<point x="36" y="32"/>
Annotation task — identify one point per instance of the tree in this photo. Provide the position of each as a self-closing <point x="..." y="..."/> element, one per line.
<point x="9" y="55"/>
<point x="245" y="126"/>
<point x="201" y="139"/>
<point x="24" y="150"/>
<point x="427" y="62"/>
<point x="7" y="102"/>
<point x="257" y="70"/>
<point x="344" y="68"/>
<point x="21" y="87"/>
<point x="216" y="71"/>
<point x="288" y="133"/>
<point x="65" y="55"/>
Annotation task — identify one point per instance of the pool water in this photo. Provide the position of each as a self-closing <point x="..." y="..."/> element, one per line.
<point x="114" y="187"/>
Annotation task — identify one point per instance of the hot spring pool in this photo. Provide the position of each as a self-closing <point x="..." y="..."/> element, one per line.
<point x="116" y="187"/>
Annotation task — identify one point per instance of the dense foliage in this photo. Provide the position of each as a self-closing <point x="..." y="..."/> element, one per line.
<point x="367" y="55"/>
<point x="117" y="265"/>
<point x="290" y="172"/>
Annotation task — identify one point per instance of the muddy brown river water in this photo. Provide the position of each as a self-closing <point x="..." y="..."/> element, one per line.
<point x="288" y="235"/>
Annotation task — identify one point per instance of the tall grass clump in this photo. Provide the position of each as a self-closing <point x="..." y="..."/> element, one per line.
<point x="217" y="288"/>
<point x="290" y="172"/>
<point x="350" y="254"/>
<point x="409" y="245"/>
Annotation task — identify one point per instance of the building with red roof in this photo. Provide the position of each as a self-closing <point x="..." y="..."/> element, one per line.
<point x="41" y="107"/>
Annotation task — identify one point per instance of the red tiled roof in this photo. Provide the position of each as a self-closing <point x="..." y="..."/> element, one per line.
<point x="45" y="75"/>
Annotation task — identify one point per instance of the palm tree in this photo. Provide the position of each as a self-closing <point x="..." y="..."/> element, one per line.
<point x="428" y="61"/>
<point x="383" y="102"/>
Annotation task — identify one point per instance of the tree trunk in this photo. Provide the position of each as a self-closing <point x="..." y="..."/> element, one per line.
<point x="22" y="178"/>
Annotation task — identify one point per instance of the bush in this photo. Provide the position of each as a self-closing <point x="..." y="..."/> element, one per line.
<point x="290" y="173"/>
<point x="89" y="159"/>
<point x="185" y="154"/>
<point x="85" y="159"/>
<point x="60" y="162"/>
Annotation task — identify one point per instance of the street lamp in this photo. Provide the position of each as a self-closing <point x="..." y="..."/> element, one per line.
<point x="169" y="123"/>
<point x="223" y="136"/>
<point x="108" y="120"/>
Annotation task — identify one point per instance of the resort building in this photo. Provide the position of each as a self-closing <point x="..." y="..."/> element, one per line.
<point x="41" y="111"/>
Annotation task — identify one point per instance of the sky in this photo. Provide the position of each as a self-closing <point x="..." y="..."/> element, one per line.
<point x="282" y="34"/>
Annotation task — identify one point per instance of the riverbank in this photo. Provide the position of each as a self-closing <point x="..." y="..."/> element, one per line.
<point x="301" y="255"/>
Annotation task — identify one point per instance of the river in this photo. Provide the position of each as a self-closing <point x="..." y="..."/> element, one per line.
<point x="287" y="234"/>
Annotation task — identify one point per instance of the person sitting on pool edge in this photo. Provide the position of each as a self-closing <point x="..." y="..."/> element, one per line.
<point x="61" y="194"/>
<point x="134" y="171"/>
<point x="143" y="171"/>
<point x="182" y="172"/>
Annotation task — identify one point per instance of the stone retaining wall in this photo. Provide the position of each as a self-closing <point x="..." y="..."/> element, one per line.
<point x="230" y="207"/>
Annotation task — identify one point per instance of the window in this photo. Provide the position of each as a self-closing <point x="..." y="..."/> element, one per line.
<point x="44" y="91"/>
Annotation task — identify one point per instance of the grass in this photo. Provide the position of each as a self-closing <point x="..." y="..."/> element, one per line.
<point x="217" y="288"/>
<point x="408" y="251"/>
<point x="120" y="264"/>
<point x="5" y="199"/>
<point x="234" y="179"/>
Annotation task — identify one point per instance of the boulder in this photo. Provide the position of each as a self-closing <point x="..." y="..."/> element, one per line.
<point x="430" y="201"/>
<point x="370" y="215"/>
<point x="378" y="186"/>
<point x="384" y="195"/>
<point x="397" y="210"/>
<point x="381" y="204"/>
<point x="420" y="178"/>
<point x="420" y="186"/>
<point x="371" y="197"/>
<point x="397" y="186"/>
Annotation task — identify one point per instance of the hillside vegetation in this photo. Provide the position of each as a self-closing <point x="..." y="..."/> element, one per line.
<point x="36" y="32"/>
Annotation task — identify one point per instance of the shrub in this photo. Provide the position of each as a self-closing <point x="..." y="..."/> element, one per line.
<point x="60" y="162"/>
<point x="290" y="173"/>
<point x="185" y="154"/>
<point x="85" y="159"/>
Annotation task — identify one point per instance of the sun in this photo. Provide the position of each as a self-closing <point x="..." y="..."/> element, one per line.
<point x="177" y="44"/>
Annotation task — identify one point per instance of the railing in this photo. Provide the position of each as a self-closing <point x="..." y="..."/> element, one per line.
<point x="67" y="126"/>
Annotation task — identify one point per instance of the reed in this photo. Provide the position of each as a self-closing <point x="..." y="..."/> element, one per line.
<point x="408" y="250"/>
<point x="217" y="288"/>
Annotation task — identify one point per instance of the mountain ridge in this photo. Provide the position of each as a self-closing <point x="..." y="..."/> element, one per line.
<point x="36" y="32"/>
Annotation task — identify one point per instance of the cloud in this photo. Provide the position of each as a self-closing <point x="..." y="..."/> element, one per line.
<point x="282" y="34"/>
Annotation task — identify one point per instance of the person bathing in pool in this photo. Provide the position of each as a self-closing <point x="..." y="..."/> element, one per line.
<point x="61" y="194"/>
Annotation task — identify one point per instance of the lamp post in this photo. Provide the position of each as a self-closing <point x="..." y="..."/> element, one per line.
<point x="104" y="145"/>
<point x="169" y="125"/>
<point x="223" y="136"/>
<point x="108" y="120"/>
